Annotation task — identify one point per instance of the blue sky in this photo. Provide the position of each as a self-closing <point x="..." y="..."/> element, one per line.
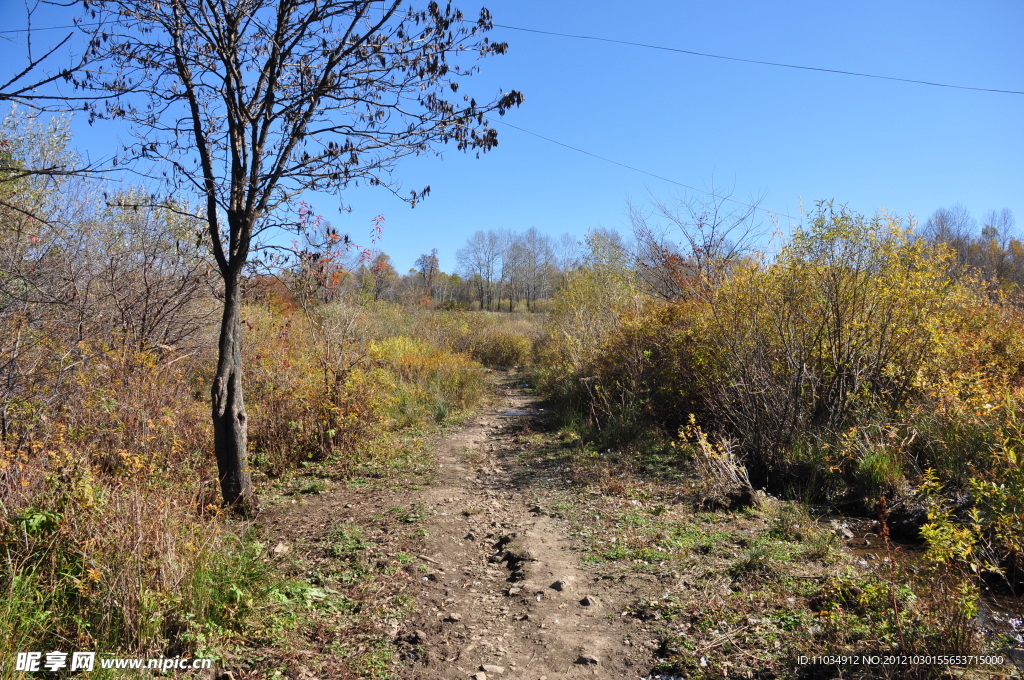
<point x="790" y="136"/>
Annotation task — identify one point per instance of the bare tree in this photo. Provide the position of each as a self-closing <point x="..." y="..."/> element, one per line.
<point x="566" y="253"/>
<point x="75" y="267"/>
<point x="513" y="256"/>
<point x="428" y="267"/>
<point x="538" y="265"/>
<point x="1001" y="223"/>
<point x="953" y="227"/>
<point x="155" y="273"/>
<point x="47" y="287"/>
<point x="248" y="103"/>
<point x="480" y="261"/>
<point x="689" y="246"/>
<point x="34" y="85"/>
<point x="527" y="261"/>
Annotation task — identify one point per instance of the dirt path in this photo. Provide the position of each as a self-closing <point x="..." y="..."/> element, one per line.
<point x="506" y="589"/>
<point x="499" y="588"/>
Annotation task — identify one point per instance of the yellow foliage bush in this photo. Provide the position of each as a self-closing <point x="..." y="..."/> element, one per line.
<point x="843" y="368"/>
<point x="494" y="339"/>
<point x="322" y="390"/>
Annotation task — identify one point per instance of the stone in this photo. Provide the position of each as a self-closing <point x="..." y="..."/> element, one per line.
<point x="281" y="549"/>
<point x="453" y="617"/>
<point x="515" y="590"/>
<point x="479" y="676"/>
<point x="516" y="550"/>
<point x="491" y="668"/>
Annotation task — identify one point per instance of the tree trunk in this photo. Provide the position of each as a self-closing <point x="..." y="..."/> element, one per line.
<point x="230" y="428"/>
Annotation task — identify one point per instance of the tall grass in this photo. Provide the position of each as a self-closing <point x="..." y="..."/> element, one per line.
<point x="103" y="545"/>
<point x="331" y="387"/>
<point x="111" y="538"/>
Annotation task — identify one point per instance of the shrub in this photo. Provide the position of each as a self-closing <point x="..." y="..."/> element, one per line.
<point x="494" y="339"/>
<point x="722" y="478"/>
<point x="440" y="380"/>
<point x="110" y="538"/>
<point x="589" y="311"/>
<point x="832" y="334"/>
<point x="102" y="544"/>
<point x="320" y="389"/>
<point x="840" y="371"/>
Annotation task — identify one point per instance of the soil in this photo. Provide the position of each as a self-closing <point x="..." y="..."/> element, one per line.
<point x="499" y="586"/>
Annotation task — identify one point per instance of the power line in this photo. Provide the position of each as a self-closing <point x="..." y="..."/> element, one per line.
<point x="756" y="61"/>
<point x="678" y="50"/>
<point x="49" y="28"/>
<point x="644" y="172"/>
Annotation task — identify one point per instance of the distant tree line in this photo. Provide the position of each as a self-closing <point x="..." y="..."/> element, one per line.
<point x="495" y="270"/>
<point x="502" y="270"/>
<point x="989" y="249"/>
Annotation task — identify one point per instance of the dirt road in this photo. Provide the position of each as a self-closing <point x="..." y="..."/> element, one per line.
<point x="498" y="586"/>
<point x="506" y="593"/>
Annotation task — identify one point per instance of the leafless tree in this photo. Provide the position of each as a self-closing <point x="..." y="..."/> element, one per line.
<point x="510" y="277"/>
<point x="536" y="264"/>
<point x="1000" y="223"/>
<point x="687" y="246"/>
<point x="46" y="285"/>
<point x="428" y="267"/>
<point x="480" y="261"/>
<point x="35" y="85"/>
<point x="566" y="253"/>
<point x="953" y="227"/>
<point x="248" y="103"/>
<point x="155" y="273"/>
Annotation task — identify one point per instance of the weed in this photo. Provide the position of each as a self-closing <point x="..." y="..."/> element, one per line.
<point x="376" y="662"/>
<point x="346" y="541"/>
<point x="763" y="559"/>
<point x="414" y="513"/>
<point x="312" y="486"/>
<point x="689" y="537"/>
